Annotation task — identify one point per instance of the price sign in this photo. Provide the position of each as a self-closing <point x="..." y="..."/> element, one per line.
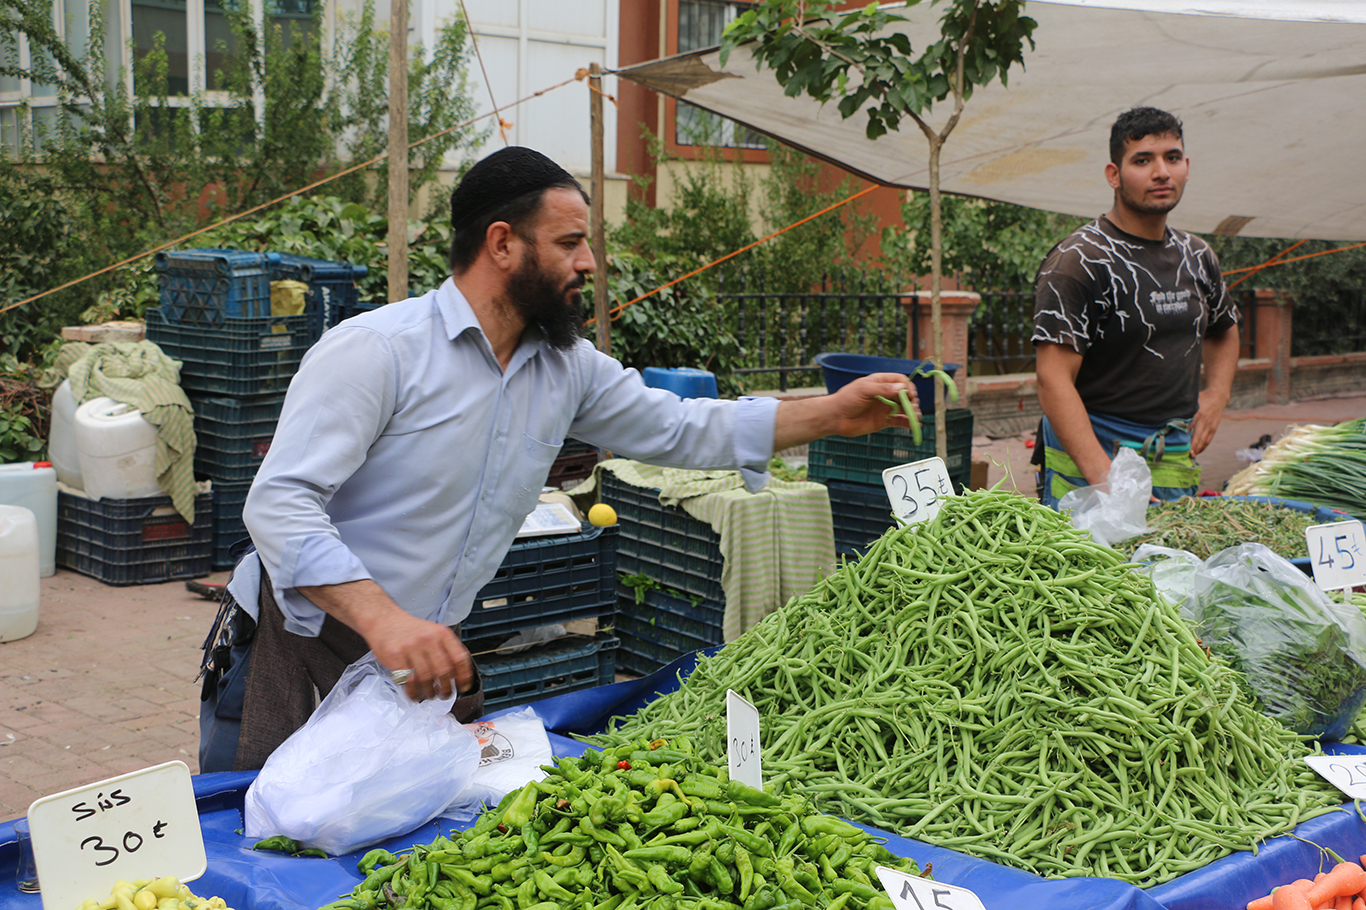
<point x="910" y="892"/>
<point x="917" y="490"/>
<point x="1346" y="772"/>
<point x="138" y="825"/>
<point x="742" y="737"/>
<point x="1337" y="553"/>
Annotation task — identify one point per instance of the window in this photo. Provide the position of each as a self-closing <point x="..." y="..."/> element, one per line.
<point x="700" y="24"/>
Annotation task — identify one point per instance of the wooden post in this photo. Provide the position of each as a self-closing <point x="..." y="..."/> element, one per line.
<point x="398" y="150"/>
<point x="598" y="228"/>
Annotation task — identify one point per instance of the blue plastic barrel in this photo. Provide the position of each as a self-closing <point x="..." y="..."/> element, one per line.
<point x="685" y="382"/>
<point x="841" y="369"/>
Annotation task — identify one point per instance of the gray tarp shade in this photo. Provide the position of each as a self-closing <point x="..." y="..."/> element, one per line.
<point x="1272" y="94"/>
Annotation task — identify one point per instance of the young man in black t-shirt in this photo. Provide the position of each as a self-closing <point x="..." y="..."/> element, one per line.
<point x="1125" y="311"/>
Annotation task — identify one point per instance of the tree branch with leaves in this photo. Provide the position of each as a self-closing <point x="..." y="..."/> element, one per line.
<point x="859" y="59"/>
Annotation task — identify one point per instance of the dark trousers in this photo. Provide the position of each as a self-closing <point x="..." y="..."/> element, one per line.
<point x="273" y="682"/>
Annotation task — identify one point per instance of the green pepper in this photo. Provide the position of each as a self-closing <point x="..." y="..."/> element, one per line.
<point x="747" y="839"/>
<point x="703" y="787"/>
<point x="480" y="885"/>
<point x="605" y="837"/>
<point x="381" y="876"/>
<point x="814" y="825"/>
<point x="526" y="893"/>
<point x="628" y="835"/>
<point x="788" y="882"/>
<point x="573" y="858"/>
<point x="721" y="877"/>
<point x="745" y="867"/>
<point x="744" y="793"/>
<point x="725" y="851"/>
<point x="663" y="853"/>
<point x="518" y="812"/>
<point x="278" y="843"/>
<point x="860" y="890"/>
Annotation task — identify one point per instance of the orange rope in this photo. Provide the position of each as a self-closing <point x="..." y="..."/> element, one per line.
<point x="1339" y="249"/>
<point x="317" y="183"/>
<point x="617" y="310"/>
<point x="503" y="125"/>
<point x="583" y="74"/>
<point x="1271" y="261"/>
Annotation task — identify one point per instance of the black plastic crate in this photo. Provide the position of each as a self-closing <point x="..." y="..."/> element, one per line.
<point x="133" y="541"/>
<point x="207" y="287"/>
<point x="228" y="527"/>
<point x="233" y="435"/>
<point x="664" y="542"/>
<point x="862" y="459"/>
<point x="567" y="665"/>
<point x="241" y="358"/>
<point x="545" y="580"/>
<point x="662" y="627"/>
<point x="331" y="285"/>
<point x="341" y="312"/>
<point x="861" y="513"/>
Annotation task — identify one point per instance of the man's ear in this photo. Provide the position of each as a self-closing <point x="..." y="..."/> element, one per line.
<point x="1112" y="175"/>
<point x="498" y="243"/>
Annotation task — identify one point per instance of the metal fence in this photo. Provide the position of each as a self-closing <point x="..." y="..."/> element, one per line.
<point x="999" y="333"/>
<point x="1332" y="326"/>
<point x="781" y="332"/>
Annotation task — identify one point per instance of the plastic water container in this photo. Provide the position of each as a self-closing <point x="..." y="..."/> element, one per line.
<point x="685" y="382"/>
<point x="61" y="439"/>
<point x="18" y="573"/>
<point x="117" y="449"/>
<point x="32" y="485"/>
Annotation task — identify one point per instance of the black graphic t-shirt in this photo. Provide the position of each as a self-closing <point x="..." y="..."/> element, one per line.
<point x="1138" y="311"/>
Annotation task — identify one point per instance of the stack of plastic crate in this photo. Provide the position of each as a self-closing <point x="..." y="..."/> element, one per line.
<point x="333" y="294"/>
<point x="675" y="603"/>
<point x="545" y="581"/>
<point x="851" y="469"/>
<point x="215" y="317"/>
<point x="573" y="465"/>
<point x="133" y="541"/>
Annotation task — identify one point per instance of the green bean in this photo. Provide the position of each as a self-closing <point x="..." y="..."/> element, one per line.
<point x="994" y="681"/>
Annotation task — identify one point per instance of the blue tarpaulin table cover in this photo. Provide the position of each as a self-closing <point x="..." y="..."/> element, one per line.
<point x="259" y="880"/>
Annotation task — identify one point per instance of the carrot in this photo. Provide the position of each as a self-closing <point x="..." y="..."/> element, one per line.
<point x="1293" y="896"/>
<point x="1344" y="902"/>
<point x="1358" y="903"/>
<point x="1261" y="903"/>
<point x="1344" y="878"/>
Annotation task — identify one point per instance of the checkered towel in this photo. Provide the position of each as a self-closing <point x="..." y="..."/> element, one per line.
<point x="776" y="543"/>
<point x="140" y="375"/>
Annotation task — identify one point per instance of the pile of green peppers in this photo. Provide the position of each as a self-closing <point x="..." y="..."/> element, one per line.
<point x="643" y="826"/>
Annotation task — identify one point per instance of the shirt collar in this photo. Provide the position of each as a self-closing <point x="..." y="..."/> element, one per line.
<point x="458" y="317"/>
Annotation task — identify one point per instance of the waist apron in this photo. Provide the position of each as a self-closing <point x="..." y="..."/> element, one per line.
<point x="1166" y="449"/>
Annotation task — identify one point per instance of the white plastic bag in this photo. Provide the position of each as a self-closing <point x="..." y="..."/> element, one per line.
<point x="368" y="765"/>
<point x="514" y="747"/>
<point x="1117" y="509"/>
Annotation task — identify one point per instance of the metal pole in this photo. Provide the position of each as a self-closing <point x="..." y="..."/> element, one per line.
<point x="598" y="227"/>
<point x="398" y="150"/>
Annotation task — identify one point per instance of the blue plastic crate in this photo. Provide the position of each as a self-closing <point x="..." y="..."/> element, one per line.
<point x="206" y="287"/>
<point x="862" y="459"/>
<point x="331" y="285"/>
<point x="228" y="527"/>
<point x="567" y="665"/>
<point x="660" y="627"/>
<point x="545" y="580"/>
<point x="861" y="514"/>
<point x="664" y="542"/>
<point x="133" y="541"/>
<point x="233" y="435"/>
<point x="241" y="358"/>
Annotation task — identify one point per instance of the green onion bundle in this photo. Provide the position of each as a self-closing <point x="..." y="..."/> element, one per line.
<point x="996" y="682"/>
<point x="1318" y="464"/>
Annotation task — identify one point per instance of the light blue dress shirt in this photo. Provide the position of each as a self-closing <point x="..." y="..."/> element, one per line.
<point x="405" y="454"/>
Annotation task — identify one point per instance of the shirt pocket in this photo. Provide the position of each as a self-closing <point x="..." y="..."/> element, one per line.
<point x="536" y="459"/>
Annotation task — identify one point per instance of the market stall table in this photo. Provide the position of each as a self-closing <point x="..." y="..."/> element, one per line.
<point x="258" y="880"/>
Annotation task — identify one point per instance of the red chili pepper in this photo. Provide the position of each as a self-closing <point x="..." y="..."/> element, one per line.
<point x="623" y="765"/>
<point x="502" y="828"/>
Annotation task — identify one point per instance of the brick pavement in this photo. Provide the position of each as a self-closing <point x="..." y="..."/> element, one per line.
<point x="106" y="684"/>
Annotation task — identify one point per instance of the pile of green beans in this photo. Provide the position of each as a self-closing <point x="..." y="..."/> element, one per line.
<point x="1204" y="525"/>
<point x="644" y="826"/>
<point x="994" y="681"/>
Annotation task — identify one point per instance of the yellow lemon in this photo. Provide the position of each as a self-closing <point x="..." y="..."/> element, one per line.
<point x="602" y="515"/>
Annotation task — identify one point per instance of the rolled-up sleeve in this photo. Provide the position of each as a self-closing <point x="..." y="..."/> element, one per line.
<point x="338" y="404"/>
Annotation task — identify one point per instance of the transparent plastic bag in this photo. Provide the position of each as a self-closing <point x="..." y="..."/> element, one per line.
<point x="1302" y="656"/>
<point x="1117" y="509"/>
<point x="368" y="765"/>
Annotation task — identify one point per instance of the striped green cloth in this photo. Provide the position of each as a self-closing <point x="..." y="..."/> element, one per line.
<point x="776" y="543"/>
<point x="140" y="375"/>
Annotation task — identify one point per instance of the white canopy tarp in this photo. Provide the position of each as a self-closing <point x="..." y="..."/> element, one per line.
<point x="1272" y="94"/>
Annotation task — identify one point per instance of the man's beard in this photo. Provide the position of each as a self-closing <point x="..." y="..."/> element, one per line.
<point x="554" y="309"/>
<point x="1139" y="204"/>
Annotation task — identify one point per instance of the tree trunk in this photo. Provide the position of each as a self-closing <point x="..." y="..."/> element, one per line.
<point x="936" y="310"/>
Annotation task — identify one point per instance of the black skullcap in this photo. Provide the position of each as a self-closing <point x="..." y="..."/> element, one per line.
<point x="499" y="179"/>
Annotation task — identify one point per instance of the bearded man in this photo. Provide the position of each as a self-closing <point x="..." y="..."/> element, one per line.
<point x="416" y="438"/>
<point x="1126" y="311"/>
